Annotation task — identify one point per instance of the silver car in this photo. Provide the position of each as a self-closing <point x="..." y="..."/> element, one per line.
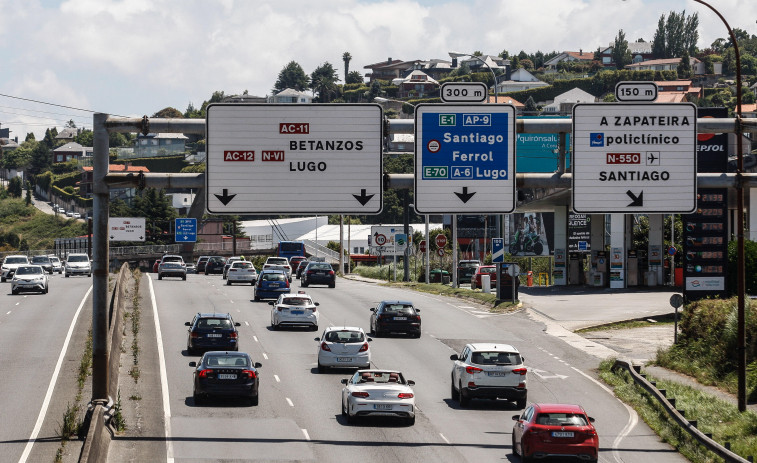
<point x="29" y="278"/>
<point x="78" y="264"/>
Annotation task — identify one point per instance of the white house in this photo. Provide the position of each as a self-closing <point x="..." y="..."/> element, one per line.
<point x="290" y="95"/>
<point x="520" y="79"/>
<point x="564" y="102"/>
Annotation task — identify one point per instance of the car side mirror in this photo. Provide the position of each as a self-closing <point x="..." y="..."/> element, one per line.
<point x="344" y="380"/>
<point x="591" y="419"/>
<point x="317" y="339"/>
<point x="370" y="339"/>
<point x="237" y="324"/>
<point x="258" y="365"/>
<point x="410" y="382"/>
<point x="454" y="357"/>
<point x="193" y="364"/>
<point x="317" y="303"/>
<point x="373" y="309"/>
<point x="187" y="324"/>
<point x="516" y="417"/>
<point x="417" y="310"/>
<point x="522" y="359"/>
<point x="271" y="303"/>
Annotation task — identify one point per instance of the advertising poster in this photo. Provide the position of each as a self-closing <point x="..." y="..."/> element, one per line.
<point x="531" y="234"/>
<point x="579" y="232"/>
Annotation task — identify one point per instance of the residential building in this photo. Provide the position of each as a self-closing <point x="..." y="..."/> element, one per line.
<point x="667" y="64"/>
<point x="68" y="134"/>
<point x="159" y="144"/>
<point x="290" y="95"/>
<point x="563" y="103"/>
<point x="579" y="56"/>
<point x="520" y="79"/>
<point x="387" y="70"/>
<point x="677" y="91"/>
<point x="417" y="84"/>
<point x="640" y="51"/>
<point x="72" y="151"/>
<point x="126" y="194"/>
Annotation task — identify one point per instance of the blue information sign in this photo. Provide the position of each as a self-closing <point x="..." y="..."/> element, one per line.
<point x="498" y="250"/>
<point x="186" y="230"/>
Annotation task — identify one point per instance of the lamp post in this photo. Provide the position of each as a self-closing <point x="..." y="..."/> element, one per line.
<point x="455" y="55"/>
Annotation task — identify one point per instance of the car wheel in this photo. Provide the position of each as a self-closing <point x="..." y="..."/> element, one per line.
<point x="314" y="328"/>
<point x="160" y="277"/>
<point x="350" y="418"/>
<point x="14" y="291"/>
<point x="304" y="284"/>
<point x="453" y="391"/>
<point x="257" y="299"/>
<point x="228" y="282"/>
<point x="472" y="285"/>
<point x="521" y="403"/>
<point x="46" y="289"/>
<point x="410" y="421"/>
<point x="184" y="278"/>
<point x="89" y="275"/>
<point x="515" y="449"/>
<point x="2" y="279"/>
<point x="254" y="400"/>
<point x="322" y="369"/>
<point x="332" y="285"/>
<point x="198" y="398"/>
<point x="464" y="401"/>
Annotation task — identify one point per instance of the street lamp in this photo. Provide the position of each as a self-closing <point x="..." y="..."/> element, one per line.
<point x="455" y="55"/>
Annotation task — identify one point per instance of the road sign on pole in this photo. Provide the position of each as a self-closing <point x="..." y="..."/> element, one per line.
<point x="634" y="158"/>
<point x="256" y="152"/>
<point x="126" y="228"/>
<point x="498" y="250"/>
<point x="464" y="159"/>
<point x="464" y="92"/>
<point x="441" y="240"/>
<point x="185" y="230"/>
<point x="423" y="246"/>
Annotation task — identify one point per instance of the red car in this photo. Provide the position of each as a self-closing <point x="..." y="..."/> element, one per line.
<point x="155" y="266"/>
<point x="490" y="270"/>
<point x="555" y="430"/>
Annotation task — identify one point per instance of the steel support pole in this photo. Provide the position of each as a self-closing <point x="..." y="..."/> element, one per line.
<point x="101" y="197"/>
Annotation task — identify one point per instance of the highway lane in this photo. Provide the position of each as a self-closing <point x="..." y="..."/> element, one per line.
<point x="33" y="330"/>
<point x="300" y="408"/>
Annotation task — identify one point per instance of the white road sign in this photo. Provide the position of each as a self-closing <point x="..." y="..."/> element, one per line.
<point x="635" y="91"/>
<point x="631" y="158"/>
<point x="294" y="158"/>
<point x="464" y="92"/>
<point x="464" y="159"/>
<point x="385" y="236"/>
<point x="126" y="228"/>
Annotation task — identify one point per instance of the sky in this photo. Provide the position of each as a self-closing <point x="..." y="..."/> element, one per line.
<point x="136" y="57"/>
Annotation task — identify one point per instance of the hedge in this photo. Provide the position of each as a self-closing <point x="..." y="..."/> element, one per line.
<point x="167" y="164"/>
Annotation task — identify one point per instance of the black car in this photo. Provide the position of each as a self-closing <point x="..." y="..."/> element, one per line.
<point x="212" y="331"/>
<point x="200" y="265"/>
<point x="300" y="267"/>
<point x="215" y="265"/>
<point x="44" y="262"/>
<point x="395" y="317"/>
<point x="225" y="374"/>
<point x="318" y="273"/>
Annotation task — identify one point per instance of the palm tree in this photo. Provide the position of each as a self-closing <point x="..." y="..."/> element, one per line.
<point x="346" y="57"/>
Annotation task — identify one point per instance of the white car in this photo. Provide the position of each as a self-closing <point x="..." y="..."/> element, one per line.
<point x="78" y="264"/>
<point x="279" y="263"/>
<point x="10" y="264"/>
<point x="76" y="215"/>
<point x="378" y="393"/>
<point x="241" y="271"/>
<point x="29" y="278"/>
<point x="57" y="265"/>
<point x="294" y="310"/>
<point x="489" y="371"/>
<point x="343" y="347"/>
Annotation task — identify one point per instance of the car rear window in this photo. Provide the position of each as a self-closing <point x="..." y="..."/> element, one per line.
<point x="399" y="309"/>
<point x="227" y="361"/>
<point x="241" y="264"/>
<point x="345" y="336"/>
<point x="296" y="301"/>
<point x="381" y="377"/>
<point x="495" y="358"/>
<point x="214" y="323"/>
<point x="38" y="259"/>
<point x="561" y="419"/>
<point x="273" y="277"/>
<point x="277" y="261"/>
<point x="469" y="264"/>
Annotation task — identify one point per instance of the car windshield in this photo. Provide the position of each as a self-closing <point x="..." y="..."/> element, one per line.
<point x="468" y="264"/>
<point x="561" y="419"/>
<point x="241" y="265"/>
<point x="296" y="301"/>
<point x="54" y="260"/>
<point x="273" y="277"/>
<point x="399" y="309"/>
<point x="495" y="358"/>
<point x="380" y="377"/>
<point x="40" y="259"/>
<point x="277" y="261"/>
<point x="16" y="260"/>
<point x="215" y="323"/>
<point x="230" y="360"/>
<point x="28" y="271"/>
<point x="345" y="336"/>
<point x="486" y="270"/>
<point x="78" y="259"/>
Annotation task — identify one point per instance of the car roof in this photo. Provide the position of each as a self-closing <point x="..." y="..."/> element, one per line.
<point x="559" y="408"/>
<point x="214" y="315"/>
<point x="397" y="302"/>
<point x="378" y="370"/>
<point x="343" y="328"/>
<point x="218" y="353"/>
<point x="493" y="346"/>
<point x="272" y="270"/>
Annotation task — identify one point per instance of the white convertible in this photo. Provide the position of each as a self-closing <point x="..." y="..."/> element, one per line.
<point x="378" y="393"/>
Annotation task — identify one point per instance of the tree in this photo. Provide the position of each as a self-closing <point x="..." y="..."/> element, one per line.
<point x="346" y="57"/>
<point x="676" y="34"/>
<point x="28" y="198"/>
<point x="354" y="77"/>
<point x="530" y="107"/>
<point x="30" y="137"/>
<point x="49" y="138"/>
<point x="15" y="187"/>
<point x="684" y="67"/>
<point x="323" y="81"/>
<point x="527" y="64"/>
<point x="621" y="55"/>
<point x="70" y="124"/>
<point x="156" y="208"/>
<point x="85" y="138"/>
<point x="41" y="159"/>
<point x="658" y="41"/>
<point x="292" y="76"/>
<point x="168" y="113"/>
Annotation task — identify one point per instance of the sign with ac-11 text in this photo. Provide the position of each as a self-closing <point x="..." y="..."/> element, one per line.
<point x="634" y="158"/>
<point x="464" y="159"/>
<point x="294" y="159"/>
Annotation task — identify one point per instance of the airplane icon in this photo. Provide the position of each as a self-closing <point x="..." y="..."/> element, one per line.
<point x="653" y="158"/>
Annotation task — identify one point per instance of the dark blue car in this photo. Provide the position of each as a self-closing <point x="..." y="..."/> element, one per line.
<point x="212" y="331"/>
<point x="270" y="284"/>
<point x="225" y="374"/>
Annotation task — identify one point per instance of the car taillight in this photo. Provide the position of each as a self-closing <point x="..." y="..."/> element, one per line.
<point x="233" y="335"/>
<point x="203" y="373"/>
<point x="364" y="347"/>
<point x="472" y="370"/>
<point x="590" y="432"/>
<point x="325" y="346"/>
<point x="313" y="309"/>
<point x="331" y="272"/>
<point x="195" y="335"/>
<point x="418" y="317"/>
<point x="521" y="385"/>
<point x="310" y="272"/>
<point x="232" y="270"/>
<point x="471" y="384"/>
<point x="405" y="395"/>
<point x="249" y="374"/>
<point x="360" y="394"/>
<point x="287" y="282"/>
<point x="280" y="308"/>
<point x="520" y="371"/>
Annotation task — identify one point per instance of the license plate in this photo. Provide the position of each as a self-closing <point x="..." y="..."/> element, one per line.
<point x="400" y="318"/>
<point x="382" y="407"/>
<point x="273" y="285"/>
<point x="496" y="373"/>
<point x="343" y="359"/>
<point x="297" y="312"/>
<point x="214" y="335"/>
<point x="230" y="376"/>
<point x="562" y="433"/>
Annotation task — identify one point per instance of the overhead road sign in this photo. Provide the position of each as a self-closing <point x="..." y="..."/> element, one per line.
<point x="464" y="159"/>
<point x="294" y="159"/>
<point x="634" y="158"/>
<point x="464" y="92"/>
<point x="185" y="230"/>
<point x="126" y="228"/>
<point x="635" y="91"/>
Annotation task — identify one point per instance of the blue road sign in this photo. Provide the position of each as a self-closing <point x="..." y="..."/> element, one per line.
<point x="186" y="230"/>
<point x="498" y="250"/>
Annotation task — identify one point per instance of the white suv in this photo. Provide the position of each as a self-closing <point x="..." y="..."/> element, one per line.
<point x="10" y="264"/>
<point x="78" y="264"/>
<point x="279" y="263"/>
<point x="491" y="371"/>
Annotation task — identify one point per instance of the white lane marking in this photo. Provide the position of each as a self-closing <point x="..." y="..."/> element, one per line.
<point x="265" y="356"/>
<point x="633" y="418"/>
<point x="51" y="386"/>
<point x="9" y="312"/>
<point x="17" y="303"/>
<point x="444" y="438"/>
<point x="247" y="324"/>
<point x="305" y="432"/>
<point x="276" y="377"/>
<point x="254" y="337"/>
<point x="289" y="401"/>
<point x="163" y="377"/>
<point x="231" y="301"/>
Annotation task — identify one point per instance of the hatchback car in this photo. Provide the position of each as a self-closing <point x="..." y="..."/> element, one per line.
<point x="294" y="310"/>
<point x="57" y="265"/>
<point x="225" y="374"/>
<point x="378" y="393"/>
<point x="212" y="331"/>
<point x="301" y="267"/>
<point x="476" y="279"/>
<point x="343" y="347"/>
<point x="555" y="430"/>
<point x="241" y="271"/>
<point x="10" y="264"/>
<point x="78" y="264"/>
<point x="172" y="269"/>
<point x="278" y="263"/>
<point x="318" y="273"/>
<point x="228" y="263"/>
<point x="466" y="269"/>
<point x="29" y="278"/>
<point x="294" y="262"/>
<point x="214" y="265"/>
<point x="489" y="371"/>
<point x="271" y="284"/>
<point x="395" y="317"/>
<point x="200" y="264"/>
<point x="44" y="262"/>
<point x="155" y="266"/>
